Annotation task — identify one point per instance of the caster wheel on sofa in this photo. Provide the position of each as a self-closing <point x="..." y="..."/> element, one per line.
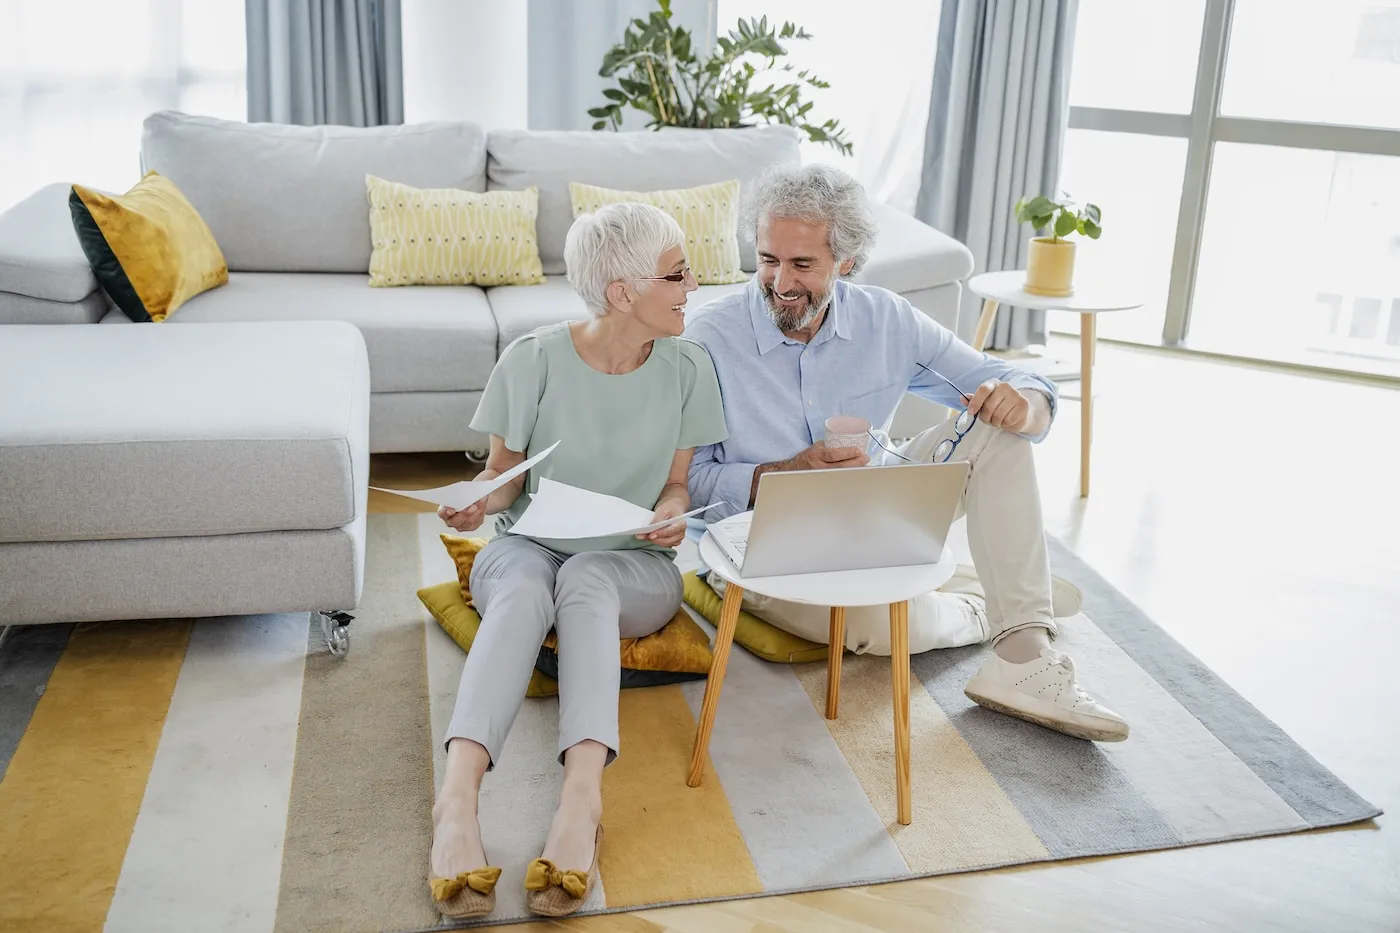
<point x="335" y="626"/>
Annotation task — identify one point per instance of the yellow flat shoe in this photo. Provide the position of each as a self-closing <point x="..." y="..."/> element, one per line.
<point x="555" y="893"/>
<point x="470" y="894"/>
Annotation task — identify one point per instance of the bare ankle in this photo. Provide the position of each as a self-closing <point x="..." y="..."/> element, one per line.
<point x="455" y="804"/>
<point x="581" y="795"/>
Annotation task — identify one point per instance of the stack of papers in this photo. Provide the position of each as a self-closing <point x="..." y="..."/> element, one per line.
<point x="561" y="511"/>
<point x="556" y="510"/>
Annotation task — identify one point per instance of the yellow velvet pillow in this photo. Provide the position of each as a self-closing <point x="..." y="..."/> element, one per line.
<point x="149" y="248"/>
<point x="767" y="641"/>
<point x="445" y="236"/>
<point x="679" y="651"/>
<point x="708" y="215"/>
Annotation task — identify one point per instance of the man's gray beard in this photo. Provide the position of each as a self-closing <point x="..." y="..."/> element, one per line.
<point x="789" y="320"/>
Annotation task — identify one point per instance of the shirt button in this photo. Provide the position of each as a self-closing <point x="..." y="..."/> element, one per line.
<point x="809" y="403"/>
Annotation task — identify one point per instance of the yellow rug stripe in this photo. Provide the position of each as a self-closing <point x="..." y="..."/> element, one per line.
<point x="962" y="819"/>
<point x="665" y="841"/>
<point x="70" y="797"/>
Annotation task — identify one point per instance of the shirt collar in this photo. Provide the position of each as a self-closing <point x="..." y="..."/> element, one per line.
<point x="768" y="336"/>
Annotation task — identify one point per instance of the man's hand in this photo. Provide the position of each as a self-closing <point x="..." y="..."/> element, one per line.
<point x="468" y="519"/>
<point x="816" y="457"/>
<point x="671" y="535"/>
<point x="1001" y="406"/>
<point x="820" y="457"/>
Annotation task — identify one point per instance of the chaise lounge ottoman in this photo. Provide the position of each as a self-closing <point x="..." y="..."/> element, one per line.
<point x="202" y="470"/>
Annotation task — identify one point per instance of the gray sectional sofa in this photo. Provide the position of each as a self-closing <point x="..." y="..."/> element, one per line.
<point x="287" y="205"/>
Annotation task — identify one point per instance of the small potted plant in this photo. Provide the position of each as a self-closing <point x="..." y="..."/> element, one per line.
<point x="1050" y="268"/>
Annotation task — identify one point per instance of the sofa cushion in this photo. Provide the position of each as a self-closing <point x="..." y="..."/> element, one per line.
<point x="910" y="255"/>
<point x="149" y="248"/>
<point x="520" y="309"/>
<point x="40" y="256"/>
<point x="635" y="161"/>
<point x="448" y="236"/>
<point x="433" y="338"/>
<point x="708" y="216"/>
<point x="148" y="432"/>
<point x="285" y="198"/>
<point x="22" y="309"/>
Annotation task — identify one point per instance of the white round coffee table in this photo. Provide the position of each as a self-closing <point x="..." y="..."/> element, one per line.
<point x="998" y="288"/>
<point x="840" y="589"/>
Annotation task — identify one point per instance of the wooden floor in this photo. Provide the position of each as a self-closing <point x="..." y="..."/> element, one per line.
<point x="1255" y="515"/>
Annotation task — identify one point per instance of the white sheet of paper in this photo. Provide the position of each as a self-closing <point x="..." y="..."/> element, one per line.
<point x="558" y="510"/>
<point x="460" y="495"/>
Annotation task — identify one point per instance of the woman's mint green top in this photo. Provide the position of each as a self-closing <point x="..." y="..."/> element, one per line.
<point x="617" y="433"/>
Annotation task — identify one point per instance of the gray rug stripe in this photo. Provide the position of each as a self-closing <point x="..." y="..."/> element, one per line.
<point x="1317" y="795"/>
<point x="28" y="654"/>
<point x="1072" y="795"/>
<point x="764" y="710"/>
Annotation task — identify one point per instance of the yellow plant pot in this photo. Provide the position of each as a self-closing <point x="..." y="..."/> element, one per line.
<point x="1050" y="269"/>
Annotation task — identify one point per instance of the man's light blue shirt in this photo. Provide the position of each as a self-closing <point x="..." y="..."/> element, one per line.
<point x="778" y="392"/>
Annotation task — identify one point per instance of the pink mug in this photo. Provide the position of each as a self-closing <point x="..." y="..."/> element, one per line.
<point x="851" y="431"/>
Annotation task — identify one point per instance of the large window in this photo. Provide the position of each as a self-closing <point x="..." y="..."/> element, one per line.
<point x="77" y="78"/>
<point x="1247" y="158"/>
<point x="880" y="76"/>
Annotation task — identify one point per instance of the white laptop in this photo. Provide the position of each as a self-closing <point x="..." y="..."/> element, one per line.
<point x="814" y="521"/>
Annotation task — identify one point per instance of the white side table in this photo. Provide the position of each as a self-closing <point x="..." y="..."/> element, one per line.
<point x="998" y="288"/>
<point x="892" y="585"/>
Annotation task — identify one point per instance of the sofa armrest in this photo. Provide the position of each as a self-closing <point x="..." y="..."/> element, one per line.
<point x="39" y="252"/>
<point x="909" y="255"/>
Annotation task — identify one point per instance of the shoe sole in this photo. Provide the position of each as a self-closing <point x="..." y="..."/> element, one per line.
<point x="1087" y="733"/>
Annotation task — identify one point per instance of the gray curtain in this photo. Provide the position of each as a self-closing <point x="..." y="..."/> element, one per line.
<point x="325" y="61"/>
<point x="567" y="41"/>
<point x="997" y="120"/>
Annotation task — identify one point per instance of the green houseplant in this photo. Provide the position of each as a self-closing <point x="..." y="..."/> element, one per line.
<point x="1050" y="267"/>
<point x="659" y="73"/>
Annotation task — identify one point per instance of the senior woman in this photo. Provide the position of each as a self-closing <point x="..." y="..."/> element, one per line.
<point x="628" y="399"/>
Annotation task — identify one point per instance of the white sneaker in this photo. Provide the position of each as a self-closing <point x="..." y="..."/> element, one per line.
<point x="1045" y="692"/>
<point x="1065" y="598"/>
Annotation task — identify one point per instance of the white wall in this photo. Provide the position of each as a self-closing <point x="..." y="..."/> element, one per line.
<point x="466" y="60"/>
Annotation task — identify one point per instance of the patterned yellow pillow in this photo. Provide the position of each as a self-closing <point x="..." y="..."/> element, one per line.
<point x="443" y="236"/>
<point x="708" y="215"/>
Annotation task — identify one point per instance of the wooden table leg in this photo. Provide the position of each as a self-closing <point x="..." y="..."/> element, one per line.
<point x="984" y="324"/>
<point x="836" y="647"/>
<point x="899" y="676"/>
<point x="724" y="639"/>
<point x="1087" y="340"/>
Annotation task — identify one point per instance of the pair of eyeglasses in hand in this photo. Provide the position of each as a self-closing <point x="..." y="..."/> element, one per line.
<point x="961" y="427"/>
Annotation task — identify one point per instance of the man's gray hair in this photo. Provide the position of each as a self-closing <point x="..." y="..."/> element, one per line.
<point x="618" y="241"/>
<point x="817" y="194"/>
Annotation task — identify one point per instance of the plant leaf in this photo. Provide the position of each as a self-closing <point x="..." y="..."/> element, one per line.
<point x="1066" y="223"/>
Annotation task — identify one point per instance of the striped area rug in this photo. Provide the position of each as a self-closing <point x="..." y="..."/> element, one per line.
<point x="228" y="774"/>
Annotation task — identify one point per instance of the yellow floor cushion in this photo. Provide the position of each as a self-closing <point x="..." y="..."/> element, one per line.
<point x="767" y="641"/>
<point x="679" y="651"/>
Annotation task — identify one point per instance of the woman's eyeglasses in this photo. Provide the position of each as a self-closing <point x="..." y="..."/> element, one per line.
<point x="680" y="276"/>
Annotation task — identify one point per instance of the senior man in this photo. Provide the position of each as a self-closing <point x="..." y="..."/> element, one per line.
<point x="800" y="344"/>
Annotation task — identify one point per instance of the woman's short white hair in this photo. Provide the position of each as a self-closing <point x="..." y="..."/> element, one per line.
<point x="816" y="193"/>
<point x="618" y="241"/>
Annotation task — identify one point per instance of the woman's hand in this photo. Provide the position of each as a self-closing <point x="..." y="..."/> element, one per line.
<point x="671" y="535"/>
<point x="468" y="519"/>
